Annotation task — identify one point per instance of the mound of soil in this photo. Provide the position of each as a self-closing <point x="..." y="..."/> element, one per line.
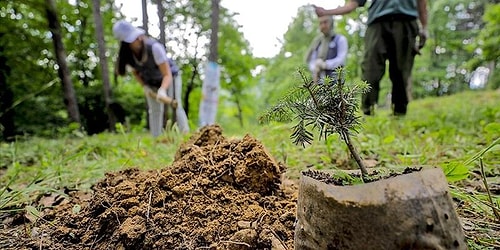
<point x="218" y="194"/>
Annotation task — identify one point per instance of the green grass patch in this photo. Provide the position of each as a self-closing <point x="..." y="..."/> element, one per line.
<point x="457" y="133"/>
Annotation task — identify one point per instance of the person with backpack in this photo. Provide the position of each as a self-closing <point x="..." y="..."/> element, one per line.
<point x="151" y="68"/>
<point x="391" y="36"/>
<point x="327" y="52"/>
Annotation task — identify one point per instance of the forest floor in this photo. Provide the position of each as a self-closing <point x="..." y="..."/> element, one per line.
<point x="219" y="193"/>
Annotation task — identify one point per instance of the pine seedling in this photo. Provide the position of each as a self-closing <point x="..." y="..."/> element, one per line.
<point x="329" y="107"/>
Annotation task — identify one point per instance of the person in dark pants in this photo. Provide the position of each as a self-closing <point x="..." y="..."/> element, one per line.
<point x="391" y="35"/>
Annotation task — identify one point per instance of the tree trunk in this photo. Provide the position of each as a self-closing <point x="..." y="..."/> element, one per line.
<point x="239" y="108"/>
<point x="82" y="57"/>
<point x="69" y="92"/>
<point x="214" y="39"/>
<point x="145" y="18"/>
<point x="190" y="86"/>
<point x="211" y="83"/>
<point x="6" y="100"/>
<point x="491" y="66"/>
<point x="347" y="138"/>
<point x="101" y="43"/>
<point x="161" y="19"/>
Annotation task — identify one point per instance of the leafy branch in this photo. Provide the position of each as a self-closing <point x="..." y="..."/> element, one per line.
<point x="329" y="108"/>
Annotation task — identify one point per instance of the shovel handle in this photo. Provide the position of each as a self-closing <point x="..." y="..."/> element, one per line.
<point x="165" y="99"/>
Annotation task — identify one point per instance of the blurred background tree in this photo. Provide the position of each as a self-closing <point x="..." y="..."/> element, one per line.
<point x="462" y="49"/>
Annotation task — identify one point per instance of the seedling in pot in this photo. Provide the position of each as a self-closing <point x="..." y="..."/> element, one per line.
<point x="331" y="107"/>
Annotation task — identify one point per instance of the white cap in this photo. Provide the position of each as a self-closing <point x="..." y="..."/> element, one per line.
<point x="126" y="32"/>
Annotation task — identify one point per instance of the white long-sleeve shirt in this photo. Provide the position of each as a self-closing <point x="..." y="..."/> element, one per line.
<point x="340" y="42"/>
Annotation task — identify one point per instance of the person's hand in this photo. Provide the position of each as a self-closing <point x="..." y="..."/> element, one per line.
<point x="319" y="65"/>
<point x="422" y="38"/>
<point x="320" y="11"/>
<point x="146" y="89"/>
<point x="162" y="93"/>
<point x="423" y="34"/>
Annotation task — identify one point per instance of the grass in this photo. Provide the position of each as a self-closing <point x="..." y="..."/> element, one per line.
<point x="37" y="166"/>
<point x="457" y="133"/>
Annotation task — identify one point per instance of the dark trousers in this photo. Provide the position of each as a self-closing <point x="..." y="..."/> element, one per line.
<point x="392" y="40"/>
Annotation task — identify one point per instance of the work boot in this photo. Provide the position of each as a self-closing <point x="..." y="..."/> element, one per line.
<point x="399" y="110"/>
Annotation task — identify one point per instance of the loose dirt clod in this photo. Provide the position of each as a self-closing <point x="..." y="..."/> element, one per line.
<point x="218" y="194"/>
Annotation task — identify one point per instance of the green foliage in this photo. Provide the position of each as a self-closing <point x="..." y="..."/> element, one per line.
<point x="300" y="33"/>
<point x="455" y="171"/>
<point x="41" y="166"/>
<point x="489" y="35"/>
<point x="328" y="108"/>
<point x="130" y="97"/>
<point x="436" y="132"/>
<point x="291" y="57"/>
<point x="188" y="29"/>
<point x="485" y="47"/>
<point x="245" y="90"/>
<point x="237" y="81"/>
<point x="442" y="68"/>
<point x="24" y="31"/>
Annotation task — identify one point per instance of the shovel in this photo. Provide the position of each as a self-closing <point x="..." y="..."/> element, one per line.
<point x="165" y="99"/>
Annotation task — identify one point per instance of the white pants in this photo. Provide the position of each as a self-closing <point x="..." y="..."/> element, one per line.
<point x="156" y="109"/>
<point x="155" y="115"/>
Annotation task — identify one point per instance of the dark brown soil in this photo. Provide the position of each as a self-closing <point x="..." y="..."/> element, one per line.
<point x="372" y="176"/>
<point x="218" y="194"/>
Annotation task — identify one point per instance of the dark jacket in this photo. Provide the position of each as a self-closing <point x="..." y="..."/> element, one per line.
<point x="148" y="70"/>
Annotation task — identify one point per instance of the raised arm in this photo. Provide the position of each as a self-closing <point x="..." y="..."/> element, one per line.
<point x="342" y="10"/>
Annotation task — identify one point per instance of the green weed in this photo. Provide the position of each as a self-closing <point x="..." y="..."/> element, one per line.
<point x="455" y="132"/>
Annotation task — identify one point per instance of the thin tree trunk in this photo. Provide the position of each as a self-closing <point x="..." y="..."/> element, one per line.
<point x="101" y="43"/>
<point x="491" y="66"/>
<point x="161" y="19"/>
<point x="211" y="83"/>
<point x="240" y="111"/>
<point x="190" y="85"/>
<point x="355" y="154"/>
<point x="6" y="100"/>
<point x="81" y="57"/>
<point x="145" y="18"/>
<point x="69" y="92"/>
<point x="214" y="38"/>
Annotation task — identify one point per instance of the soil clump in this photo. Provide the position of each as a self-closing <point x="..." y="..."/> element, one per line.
<point x="218" y="193"/>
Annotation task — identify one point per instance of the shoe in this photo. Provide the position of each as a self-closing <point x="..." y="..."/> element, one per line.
<point x="399" y="110"/>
